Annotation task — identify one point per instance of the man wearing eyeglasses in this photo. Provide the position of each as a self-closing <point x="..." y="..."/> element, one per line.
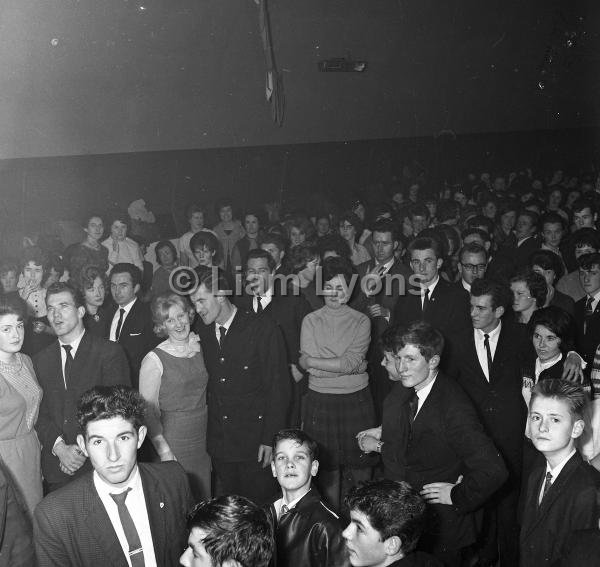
<point x="74" y="363"/>
<point x="472" y="264"/>
<point x="430" y="298"/>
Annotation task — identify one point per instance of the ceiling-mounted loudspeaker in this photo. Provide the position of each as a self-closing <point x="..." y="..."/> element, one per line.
<point x="341" y="65"/>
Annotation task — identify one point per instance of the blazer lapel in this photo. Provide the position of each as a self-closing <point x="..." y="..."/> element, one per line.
<point x="475" y="364"/>
<point x="100" y="526"/>
<point x="155" y="505"/>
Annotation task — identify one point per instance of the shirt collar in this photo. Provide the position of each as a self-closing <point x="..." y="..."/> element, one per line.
<point x="558" y="468"/>
<point x="492" y="334"/>
<point x="387" y="265"/>
<point x="74" y="344"/>
<point x="227" y="323"/>
<point x="466" y="285"/>
<point x="431" y="286"/>
<point x="424" y="392"/>
<point x="128" y="306"/>
<point x="548" y="363"/>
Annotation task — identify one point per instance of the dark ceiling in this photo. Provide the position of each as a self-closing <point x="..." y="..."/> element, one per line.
<point x="105" y="76"/>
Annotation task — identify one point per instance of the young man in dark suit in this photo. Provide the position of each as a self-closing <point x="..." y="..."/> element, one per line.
<point x="562" y="495"/>
<point x="268" y="295"/>
<point x="493" y="383"/>
<point x="72" y="364"/>
<point x="383" y="281"/>
<point x="432" y="438"/>
<point x="587" y="309"/>
<point x="130" y="320"/>
<point x="430" y="298"/>
<point x="122" y="509"/>
<point x="248" y="388"/>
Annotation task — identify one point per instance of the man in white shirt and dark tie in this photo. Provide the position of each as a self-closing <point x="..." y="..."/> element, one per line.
<point x="123" y="513"/>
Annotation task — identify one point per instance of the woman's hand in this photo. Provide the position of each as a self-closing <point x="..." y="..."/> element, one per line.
<point x="368" y="439"/>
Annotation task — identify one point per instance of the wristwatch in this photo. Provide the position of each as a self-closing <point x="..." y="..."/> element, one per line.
<point x="378" y="446"/>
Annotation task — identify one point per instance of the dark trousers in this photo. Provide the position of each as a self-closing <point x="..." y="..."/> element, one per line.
<point x="245" y="478"/>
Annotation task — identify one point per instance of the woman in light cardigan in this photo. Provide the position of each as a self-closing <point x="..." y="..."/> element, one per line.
<point x="333" y="344"/>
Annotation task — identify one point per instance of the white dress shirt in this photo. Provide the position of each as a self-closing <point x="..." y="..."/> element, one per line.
<point x="63" y="354"/>
<point x="430" y="287"/>
<point x="481" y="350"/>
<point x="554" y="472"/>
<point x="279" y="503"/>
<point x="136" y="504"/>
<point x="227" y="324"/>
<point x="115" y="321"/>
<point x="423" y="393"/>
<point x="265" y="299"/>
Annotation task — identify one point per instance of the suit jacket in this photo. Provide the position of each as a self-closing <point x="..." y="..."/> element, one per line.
<point x="587" y="341"/>
<point x="448" y="311"/>
<point x="73" y="529"/>
<point x="98" y="362"/>
<point x="286" y="310"/>
<point x="522" y="253"/>
<point x="309" y="535"/>
<point x="137" y="336"/>
<point x="569" y="505"/>
<point x="446" y="440"/>
<point x="248" y="386"/>
<point x="498" y="402"/>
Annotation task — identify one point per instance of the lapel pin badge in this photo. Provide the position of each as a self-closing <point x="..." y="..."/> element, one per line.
<point x="162" y="504"/>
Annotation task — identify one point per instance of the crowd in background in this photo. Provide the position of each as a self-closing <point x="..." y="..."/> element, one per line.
<point x="528" y="243"/>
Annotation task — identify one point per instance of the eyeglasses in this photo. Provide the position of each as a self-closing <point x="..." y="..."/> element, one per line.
<point x="474" y="267"/>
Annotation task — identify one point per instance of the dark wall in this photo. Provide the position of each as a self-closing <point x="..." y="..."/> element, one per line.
<point x="38" y="191"/>
<point x="112" y="76"/>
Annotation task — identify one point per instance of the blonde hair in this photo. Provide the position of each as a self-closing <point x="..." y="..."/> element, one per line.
<point x="160" y="310"/>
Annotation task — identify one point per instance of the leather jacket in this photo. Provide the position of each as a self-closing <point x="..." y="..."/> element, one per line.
<point x="309" y="535"/>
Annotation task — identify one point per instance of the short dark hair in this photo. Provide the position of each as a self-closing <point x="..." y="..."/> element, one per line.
<point x="236" y="530"/>
<point x="12" y="304"/>
<point x="418" y="210"/>
<point x="127" y="268"/>
<point x="193" y="208"/>
<point x="299" y="255"/>
<point x="583" y="203"/>
<point x="427" y="243"/>
<point x="333" y="243"/>
<point x="334" y="266"/>
<point x="165" y="244"/>
<point x="587" y="261"/>
<point x="106" y="402"/>
<point x="8" y="265"/>
<point x="556" y="320"/>
<point x="472" y="248"/>
<point x="118" y="215"/>
<point x="499" y="292"/>
<point x="426" y="338"/>
<point x="298" y="436"/>
<point x="393" y="509"/>
<point x="536" y="284"/>
<point x="547" y="260"/>
<point x="205" y="239"/>
<point x="478" y="221"/>
<point x="258" y="253"/>
<point x="386" y="225"/>
<point x="92" y="215"/>
<point x="566" y="390"/>
<point x="59" y="287"/>
<point x="485" y="236"/>
<point x="552" y="218"/>
<point x="586" y="237"/>
<point x="275" y="239"/>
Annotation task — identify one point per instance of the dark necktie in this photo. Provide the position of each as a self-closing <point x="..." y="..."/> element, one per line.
<point x="222" y="332"/>
<point x="486" y="344"/>
<point x="284" y="510"/>
<point x="68" y="364"/>
<point x="547" y="485"/>
<point x="136" y="553"/>
<point x="413" y="405"/>
<point x="119" y="324"/>
<point x="426" y="300"/>
<point x="259" y="307"/>
<point x="587" y="315"/>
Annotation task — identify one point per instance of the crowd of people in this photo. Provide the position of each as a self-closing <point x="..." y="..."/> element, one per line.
<point x="412" y="381"/>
